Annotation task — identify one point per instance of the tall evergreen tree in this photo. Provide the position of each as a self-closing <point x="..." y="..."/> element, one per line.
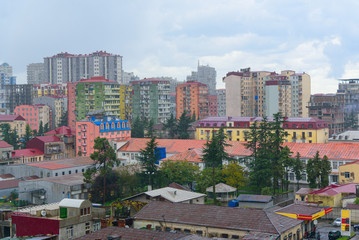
<point x="298" y="169"/>
<point x="138" y="130"/>
<point x="183" y="125"/>
<point x="214" y="154"/>
<point x="171" y="126"/>
<point x="318" y="171"/>
<point x="10" y="135"/>
<point x="104" y="160"/>
<point x="28" y="135"/>
<point x="41" y="129"/>
<point x="193" y="117"/>
<point x="63" y="121"/>
<point x="148" y="158"/>
<point x="46" y="128"/>
<point x="149" y="129"/>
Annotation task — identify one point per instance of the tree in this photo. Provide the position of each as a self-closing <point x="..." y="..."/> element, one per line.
<point x="10" y="135"/>
<point x="149" y="129"/>
<point x="111" y="180"/>
<point x="318" y="171"/>
<point x="148" y="158"/>
<point x="205" y="179"/>
<point x="298" y="168"/>
<point x="183" y="125"/>
<point x="28" y="135"/>
<point x="41" y="129"/>
<point x="104" y="160"/>
<point x="214" y="154"/>
<point x="233" y="175"/>
<point x="181" y="172"/>
<point x="193" y="119"/>
<point x="138" y="130"/>
<point x="63" y="120"/>
<point x="171" y="126"/>
<point x="46" y="128"/>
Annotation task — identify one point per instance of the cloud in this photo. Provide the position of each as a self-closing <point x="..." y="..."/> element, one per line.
<point x="351" y="70"/>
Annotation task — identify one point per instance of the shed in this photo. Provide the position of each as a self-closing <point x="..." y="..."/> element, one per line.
<point x="255" y="201"/>
<point x="224" y="192"/>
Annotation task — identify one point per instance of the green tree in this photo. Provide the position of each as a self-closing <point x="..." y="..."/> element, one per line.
<point x="46" y="128"/>
<point x="214" y="154"/>
<point x="183" y="125"/>
<point x="149" y="129"/>
<point x="318" y="171"/>
<point x="234" y="175"/>
<point x="298" y="168"/>
<point x="10" y="135"/>
<point x="138" y="128"/>
<point x="111" y="180"/>
<point x="41" y="129"/>
<point x="193" y="119"/>
<point x="63" y="120"/>
<point x="28" y="135"/>
<point x="171" y="126"/>
<point x="181" y="172"/>
<point x="148" y="158"/>
<point x="104" y="160"/>
<point x="205" y="179"/>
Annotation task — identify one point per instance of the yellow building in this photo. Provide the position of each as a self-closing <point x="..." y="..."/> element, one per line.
<point x="16" y="122"/>
<point x="300" y="130"/>
<point x="28" y="155"/>
<point x="47" y="89"/>
<point x="349" y="173"/>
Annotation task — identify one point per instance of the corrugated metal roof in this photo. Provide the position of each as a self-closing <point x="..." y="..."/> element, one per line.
<point x="254" y="198"/>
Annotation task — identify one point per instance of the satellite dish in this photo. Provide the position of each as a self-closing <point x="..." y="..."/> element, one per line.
<point x="43" y="213"/>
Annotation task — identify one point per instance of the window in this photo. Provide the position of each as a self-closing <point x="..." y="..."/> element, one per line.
<point x="235" y="237"/>
<point x="304" y="177"/>
<point x="291" y="176"/>
<point x="310" y="134"/>
<point x="70" y="232"/>
<point x="335" y="165"/>
<point x="237" y="133"/>
<point x="187" y="231"/>
<point x="158" y="228"/>
<point x="224" y="235"/>
<point x="87" y="227"/>
<point x="56" y="174"/>
<point x="347" y="175"/>
<point x="63" y="173"/>
<point x="199" y="232"/>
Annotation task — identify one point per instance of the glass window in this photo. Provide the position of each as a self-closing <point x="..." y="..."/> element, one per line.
<point x="347" y="175"/>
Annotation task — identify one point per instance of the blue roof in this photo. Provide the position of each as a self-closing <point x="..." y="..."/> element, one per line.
<point x="254" y="198"/>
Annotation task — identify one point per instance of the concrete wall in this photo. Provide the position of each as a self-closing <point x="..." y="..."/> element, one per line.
<point x="233" y="95"/>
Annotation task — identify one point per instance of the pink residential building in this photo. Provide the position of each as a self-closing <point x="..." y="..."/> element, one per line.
<point x="99" y="126"/>
<point x="34" y="115"/>
<point x="212" y="105"/>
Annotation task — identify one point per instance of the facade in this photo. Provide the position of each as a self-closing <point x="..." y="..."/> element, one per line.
<point x="349" y="88"/>
<point x="330" y="108"/>
<point x="67" y="219"/>
<point x="99" y="126"/>
<point x="15" y="121"/>
<point x="206" y="75"/>
<point x="347" y="136"/>
<point x="18" y="94"/>
<point x="349" y="173"/>
<point x="35" y="115"/>
<point x="192" y="98"/>
<point x="221" y="102"/>
<point x="67" y="136"/>
<point x="35" y="73"/>
<point x="47" y="89"/>
<point x="151" y="99"/>
<point x="255" y="201"/>
<point x="58" y="106"/>
<point x="215" y="221"/>
<point x="27" y="155"/>
<point x="52" y="146"/>
<point x="66" y="67"/>
<point x="53" y="189"/>
<point x="96" y="94"/>
<point x="248" y="94"/>
<point x="212" y="106"/>
<point x="300" y="130"/>
<point x="5" y="151"/>
<point x="128" y="77"/>
<point x="6" y="78"/>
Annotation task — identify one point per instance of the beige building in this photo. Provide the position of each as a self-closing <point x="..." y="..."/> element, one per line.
<point x="16" y="122"/>
<point x="251" y="94"/>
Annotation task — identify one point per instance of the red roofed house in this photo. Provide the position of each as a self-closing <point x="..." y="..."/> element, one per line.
<point x="52" y="146"/>
<point x="68" y="137"/>
<point x="35" y="114"/>
<point x="27" y="155"/>
<point x="5" y="151"/>
<point x="15" y="121"/>
<point x="193" y="156"/>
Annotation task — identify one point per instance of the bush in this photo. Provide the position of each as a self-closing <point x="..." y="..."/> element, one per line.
<point x="266" y="191"/>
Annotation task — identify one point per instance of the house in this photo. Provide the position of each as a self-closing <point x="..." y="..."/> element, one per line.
<point x="224" y="192"/>
<point x="5" y="152"/>
<point x="53" y="189"/>
<point x="15" y="121"/>
<point x="255" y="201"/>
<point x="169" y="194"/>
<point x="69" y="219"/>
<point x="302" y="194"/>
<point x="349" y="173"/>
<point x="217" y="221"/>
<point x="117" y="233"/>
<point x="67" y="136"/>
<point x="27" y="155"/>
<point x="331" y="195"/>
<point x="193" y="156"/>
<point x="52" y="146"/>
<point x="8" y="186"/>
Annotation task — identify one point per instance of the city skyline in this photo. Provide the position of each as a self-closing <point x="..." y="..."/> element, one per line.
<point x="161" y="38"/>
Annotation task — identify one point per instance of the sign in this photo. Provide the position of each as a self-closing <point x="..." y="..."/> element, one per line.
<point x="346" y="223"/>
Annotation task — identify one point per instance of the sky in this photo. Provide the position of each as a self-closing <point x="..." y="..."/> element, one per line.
<point x="169" y="37"/>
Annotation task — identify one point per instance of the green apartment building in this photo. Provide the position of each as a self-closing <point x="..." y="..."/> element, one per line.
<point x="151" y="99"/>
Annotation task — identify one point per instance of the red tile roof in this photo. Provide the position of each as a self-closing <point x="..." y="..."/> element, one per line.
<point x="13" y="183"/>
<point x="26" y="153"/>
<point x="4" y="144"/>
<point x="7" y="175"/>
<point x="333" y="150"/>
<point x="64" y="130"/>
<point x="10" y="118"/>
<point x="50" y="165"/>
<point x="335" y="189"/>
<point x="51" y="138"/>
<point x="193" y="155"/>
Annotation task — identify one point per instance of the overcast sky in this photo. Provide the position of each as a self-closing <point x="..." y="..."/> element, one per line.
<point x="168" y="37"/>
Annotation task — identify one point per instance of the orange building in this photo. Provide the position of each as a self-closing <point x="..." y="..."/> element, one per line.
<point x="192" y="97"/>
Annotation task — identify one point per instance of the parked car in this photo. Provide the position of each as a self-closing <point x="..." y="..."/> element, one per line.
<point x="356" y="228"/>
<point x="332" y="235"/>
<point x="337" y="222"/>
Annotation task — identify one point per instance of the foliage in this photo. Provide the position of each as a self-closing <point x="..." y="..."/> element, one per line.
<point x="171" y="126"/>
<point x="298" y="168"/>
<point x="112" y="188"/>
<point x="63" y="120"/>
<point x="138" y="128"/>
<point x="104" y="160"/>
<point x="234" y="175"/>
<point x="149" y="129"/>
<point x="193" y="119"/>
<point x="183" y="125"/>
<point x="266" y="191"/>
<point x="356" y="201"/>
<point x="205" y="179"/>
<point x="181" y="172"/>
<point x="28" y="134"/>
<point x="41" y="129"/>
<point x="10" y="135"/>
<point x="128" y="181"/>
<point x="148" y="156"/>
<point x="46" y="128"/>
<point x="318" y="171"/>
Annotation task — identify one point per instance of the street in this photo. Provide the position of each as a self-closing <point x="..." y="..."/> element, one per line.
<point x="325" y="226"/>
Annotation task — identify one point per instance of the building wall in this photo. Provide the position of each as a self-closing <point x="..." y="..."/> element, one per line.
<point x="34" y="115"/>
<point x="19" y="94"/>
<point x="233" y="95"/>
<point x="58" y="107"/>
<point x="19" y="125"/>
<point x="212" y="106"/>
<point x="352" y="170"/>
<point x="35" y="73"/>
<point x="271" y="99"/>
<point x="221" y="102"/>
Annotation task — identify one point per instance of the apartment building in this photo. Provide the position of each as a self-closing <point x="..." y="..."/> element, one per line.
<point x="47" y="89"/>
<point x="35" y="115"/>
<point x="35" y="73"/>
<point x="151" y="99"/>
<point x="221" y="102"/>
<point x="58" y="105"/>
<point x="206" y="75"/>
<point x="98" y="93"/>
<point x="192" y="98"/>
<point x="15" y="121"/>
<point x="66" y="67"/>
<point x="330" y="108"/>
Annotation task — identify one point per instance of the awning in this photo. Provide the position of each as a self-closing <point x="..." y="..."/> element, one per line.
<point x="307" y="217"/>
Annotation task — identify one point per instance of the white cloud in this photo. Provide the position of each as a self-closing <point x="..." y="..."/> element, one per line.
<point x="351" y="70"/>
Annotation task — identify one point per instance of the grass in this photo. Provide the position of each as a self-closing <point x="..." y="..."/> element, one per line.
<point x="346" y="237"/>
